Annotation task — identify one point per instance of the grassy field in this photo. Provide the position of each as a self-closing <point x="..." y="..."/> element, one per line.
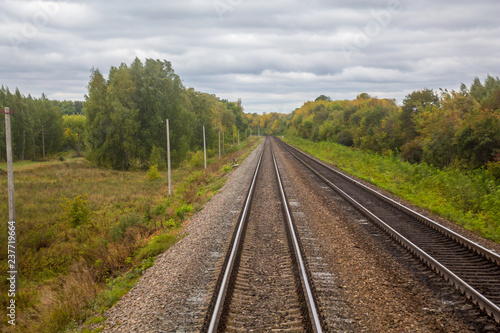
<point x="85" y="234"/>
<point x="471" y="199"/>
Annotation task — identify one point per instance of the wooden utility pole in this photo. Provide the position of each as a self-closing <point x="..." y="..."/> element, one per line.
<point x="238" y="138"/>
<point x="204" y="147"/>
<point x="168" y="161"/>
<point x="12" y="233"/>
<point x="219" y="145"/>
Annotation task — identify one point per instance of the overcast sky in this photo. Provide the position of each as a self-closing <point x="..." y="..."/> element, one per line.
<point x="274" y="55"/>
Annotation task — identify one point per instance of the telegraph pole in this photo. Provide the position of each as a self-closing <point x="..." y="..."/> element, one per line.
<point x="204" y="147"/>
<point x="168" y="161"/>
<point x="12" y="233"/>
<point x="219" y="145"/>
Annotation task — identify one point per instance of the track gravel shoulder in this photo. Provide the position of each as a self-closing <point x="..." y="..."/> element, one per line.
<point x="173" y="295"/>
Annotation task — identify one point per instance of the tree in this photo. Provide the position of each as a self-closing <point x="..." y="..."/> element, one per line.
<point x="323" y="98"/>
<point x="74" y="131"/>
<point x="121" y="138"/>
<point x="414" y="103"/>
<point x="363" y="96"/>
<point x="492" y="102"/>
<point x="478" y="140"/>
<point x="126" y="115"/>
<point x="97" y="121"/>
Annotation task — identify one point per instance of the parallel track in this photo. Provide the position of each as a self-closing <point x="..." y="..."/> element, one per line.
<point x="263" y="284"/>
<point x="471" y="268"/>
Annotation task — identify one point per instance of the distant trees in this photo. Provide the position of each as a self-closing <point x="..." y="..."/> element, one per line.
<point x="126" y="115"/>
<point x="323" y="98"/>
<point x="69" y="107"/>
<point x="33" y="118"/>
<point x="456" y="128"/>
<point x="122" y="124"/>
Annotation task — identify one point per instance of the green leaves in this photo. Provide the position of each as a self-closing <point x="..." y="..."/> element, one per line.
<point x="126" y="116"/>
<point x="77" y="211"/>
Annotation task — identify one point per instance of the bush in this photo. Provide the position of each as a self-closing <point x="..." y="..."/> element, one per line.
<point x="494" y="169"/>
<point x="412" y="152"/>
<point x="126" y="221"/>
<point x="158" y="245"/>
<point x="77" y="210"/>
<point x="153" y="173"/>
<point x="182" y="210"/>
<point x="226" y="168"/>
<point x="159" y="209"/>
<point x="197" y="160"/>
<point x="171" y="223"/>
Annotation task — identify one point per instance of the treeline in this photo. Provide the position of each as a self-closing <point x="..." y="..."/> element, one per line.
<point x="32" y="118"/>
<point x="122" y="123"/>
<point x="459" y="129"/>
<point x="40" y="126"/>
<point x="126" y="116"/>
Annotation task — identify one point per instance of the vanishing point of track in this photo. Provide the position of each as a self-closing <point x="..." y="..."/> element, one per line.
<point x="264" y="285"/>
<point x="472" y="269"/>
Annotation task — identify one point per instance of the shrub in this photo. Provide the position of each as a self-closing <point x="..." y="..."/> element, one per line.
<point x="126" y="221"/>
<point x="153" y="173"/>
<point x="182" y="210"/>
<point x="159" y="209"/>
<point x="196" y="177"/>
<point x="77" y="210"/>
<point x="171" y="223"/>
<point x="494" y="169"/>
<point x="158" y="245"/>
<point x="197" y="160"/>
<point x="226" y="168"/>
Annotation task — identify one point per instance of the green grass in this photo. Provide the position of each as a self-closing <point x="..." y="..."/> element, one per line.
<point x="85" y="234"/>
<point x="24" y="165"/>
<point x="157" y="245"/>
<point x="470" y="199"/>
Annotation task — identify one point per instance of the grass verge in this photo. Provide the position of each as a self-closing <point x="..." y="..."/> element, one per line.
<point x="470" y="199"/>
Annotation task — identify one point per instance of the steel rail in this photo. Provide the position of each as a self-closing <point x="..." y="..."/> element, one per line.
<point x="219" y="304"/>
<point x="489" y="307"/>
<point x="311" y="305"/>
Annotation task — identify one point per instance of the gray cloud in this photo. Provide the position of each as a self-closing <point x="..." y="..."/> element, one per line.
<point x="274" y="55"/>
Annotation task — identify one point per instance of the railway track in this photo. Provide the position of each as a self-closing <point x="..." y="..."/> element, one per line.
<point x="472" y="269"/>
<point x="263" y="284"/>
